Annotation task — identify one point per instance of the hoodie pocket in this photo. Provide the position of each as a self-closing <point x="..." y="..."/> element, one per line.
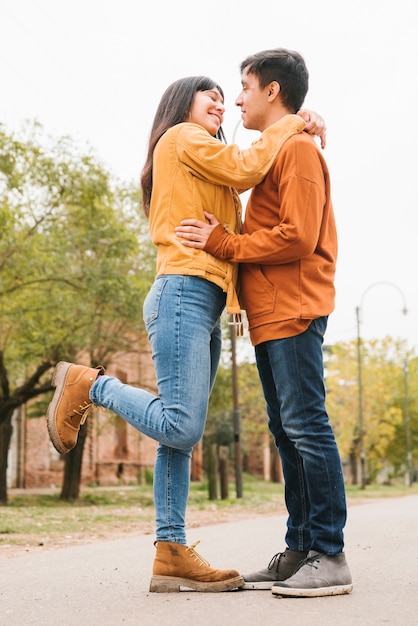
<point x="257" y="293"/>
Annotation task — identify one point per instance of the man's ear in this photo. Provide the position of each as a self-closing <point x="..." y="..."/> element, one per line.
<point x="273" y="89"/>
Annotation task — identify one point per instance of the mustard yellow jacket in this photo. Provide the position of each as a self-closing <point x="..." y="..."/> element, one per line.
<point x="194" y="172"/>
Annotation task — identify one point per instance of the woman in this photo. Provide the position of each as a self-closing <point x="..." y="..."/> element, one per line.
<point x="188" y="170"/>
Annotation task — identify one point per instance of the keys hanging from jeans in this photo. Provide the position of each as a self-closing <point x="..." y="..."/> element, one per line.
<point x="236" y="320"/>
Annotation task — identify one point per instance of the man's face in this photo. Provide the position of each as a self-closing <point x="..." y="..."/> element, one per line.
<point x="253" y="102"/>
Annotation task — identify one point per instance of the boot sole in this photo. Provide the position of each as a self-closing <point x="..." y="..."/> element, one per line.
<point x="59" y="379"/>
<point x="264" y="585"/>
<point x="171" y="584"/>
<point x="337" y="590"/>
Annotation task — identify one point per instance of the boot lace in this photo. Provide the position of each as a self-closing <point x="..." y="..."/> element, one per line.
<point x="275" y="562"/>
<point x="197" y="557"/>
<point x="83" y="411"/>
<point x="310" y="560"/>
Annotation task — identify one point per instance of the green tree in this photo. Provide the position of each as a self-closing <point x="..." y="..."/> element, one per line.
<point x="383" y="386"/>
<point x="75" y="263"/>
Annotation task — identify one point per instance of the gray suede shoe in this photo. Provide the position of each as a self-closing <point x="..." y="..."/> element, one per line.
<point x="318" y="575"/>
<point x="281" y="566"/>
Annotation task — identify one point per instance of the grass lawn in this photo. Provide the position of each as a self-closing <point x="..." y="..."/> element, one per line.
<point x="41" y="519"/>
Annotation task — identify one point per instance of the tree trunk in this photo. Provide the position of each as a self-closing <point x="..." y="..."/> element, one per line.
<point x="72" y="469"/>
<point x="212" y="471"/>
<point x="276" y="468"/>
<point x="353" y="458"/>
<point x="223" y="471"/>
<point x="6" y="430"/>
<point x="9" y="402"/>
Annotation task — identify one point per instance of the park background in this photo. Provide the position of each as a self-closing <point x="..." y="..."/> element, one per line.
<point x="95" y="71"/>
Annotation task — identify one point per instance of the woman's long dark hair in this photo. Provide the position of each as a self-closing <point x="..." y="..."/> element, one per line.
<point x="173" y="109"/>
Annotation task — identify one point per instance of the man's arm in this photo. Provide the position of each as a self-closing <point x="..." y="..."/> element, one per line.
<point x="267" y="246"/>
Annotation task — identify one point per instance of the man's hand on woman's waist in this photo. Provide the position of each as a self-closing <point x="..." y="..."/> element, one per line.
<point x="195" y="233"/>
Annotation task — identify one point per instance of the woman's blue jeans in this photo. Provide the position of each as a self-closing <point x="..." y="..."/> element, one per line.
<point x="182" y="318"/>
<point x="292" y="376"/>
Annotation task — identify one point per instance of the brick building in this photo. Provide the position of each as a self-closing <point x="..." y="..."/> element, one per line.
<point x="114" y="452"/>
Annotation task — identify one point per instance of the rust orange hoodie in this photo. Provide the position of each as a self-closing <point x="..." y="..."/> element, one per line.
<point x="288" y="249"/>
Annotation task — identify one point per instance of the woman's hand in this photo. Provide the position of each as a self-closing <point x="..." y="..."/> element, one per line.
<point x="195" y="233"/>
<point x="315" y="125"/>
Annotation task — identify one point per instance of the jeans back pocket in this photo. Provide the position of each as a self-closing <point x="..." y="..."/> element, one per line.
<point x="152" y="300"/>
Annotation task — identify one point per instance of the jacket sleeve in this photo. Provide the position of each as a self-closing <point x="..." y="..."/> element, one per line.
<point x="299" y="218"/>
<point x="221" y="164"/>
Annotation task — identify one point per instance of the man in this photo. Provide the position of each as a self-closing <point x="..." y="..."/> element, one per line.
<point x="287" y="253"/>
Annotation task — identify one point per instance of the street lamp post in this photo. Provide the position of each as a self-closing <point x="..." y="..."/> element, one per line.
<point x="235" y="395"/>
<point x="407" y="419"/>
<point x="360" y="405"/>
<point x="236" y="416"/>
<point x="360" y="389"/>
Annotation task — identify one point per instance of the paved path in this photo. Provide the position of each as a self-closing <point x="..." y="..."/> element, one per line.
<point x="106" y="583"/>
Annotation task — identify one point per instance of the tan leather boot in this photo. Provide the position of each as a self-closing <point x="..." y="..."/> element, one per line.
<point x="70" y="403"/>
<point x="178" y="566"/>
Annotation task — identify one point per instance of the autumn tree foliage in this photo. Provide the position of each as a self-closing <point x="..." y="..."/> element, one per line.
<point x="389" y="405"/>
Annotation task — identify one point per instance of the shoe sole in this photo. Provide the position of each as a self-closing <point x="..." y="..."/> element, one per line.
<point x="59" y="379"/>
<point x="258" y="586"/>
<point x="337" y="590"/>
<point x="172" y="584"/>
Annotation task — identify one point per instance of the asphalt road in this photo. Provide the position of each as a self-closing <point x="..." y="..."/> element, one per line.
<point x="107" y="582"/>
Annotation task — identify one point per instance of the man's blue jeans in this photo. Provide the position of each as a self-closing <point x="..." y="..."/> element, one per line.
<point x="292" y="377"/>
<point x="182" y="317"/>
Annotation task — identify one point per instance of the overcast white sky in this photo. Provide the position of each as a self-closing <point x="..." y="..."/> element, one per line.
<point x="96" y="69"/>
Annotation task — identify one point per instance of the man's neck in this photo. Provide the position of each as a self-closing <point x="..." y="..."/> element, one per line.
<point x="274" y="116"/>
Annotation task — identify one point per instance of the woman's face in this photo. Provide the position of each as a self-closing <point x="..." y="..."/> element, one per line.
<point x="207" y="110"/>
